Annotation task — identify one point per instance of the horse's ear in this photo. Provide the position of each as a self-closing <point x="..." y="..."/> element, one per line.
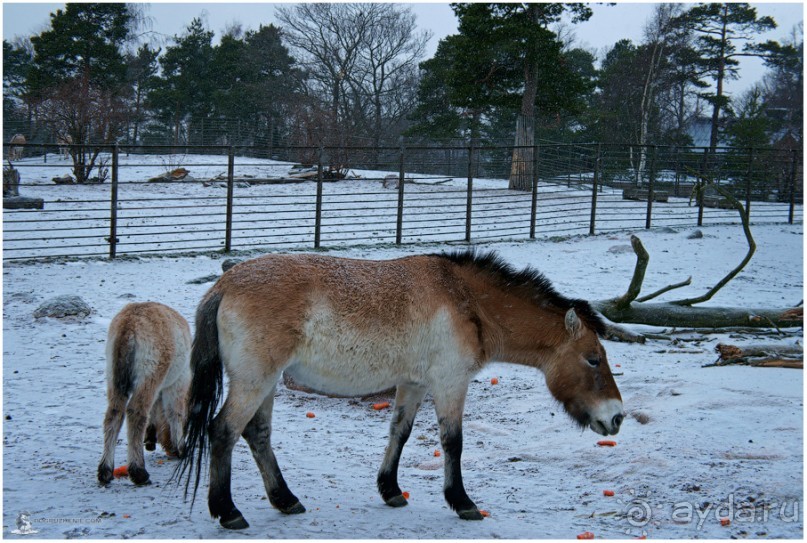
<point x="573" y="324"/>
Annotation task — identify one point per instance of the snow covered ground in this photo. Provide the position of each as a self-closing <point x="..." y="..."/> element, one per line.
<point x="699" y="444"/>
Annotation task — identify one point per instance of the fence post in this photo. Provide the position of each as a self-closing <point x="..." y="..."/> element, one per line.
<point x="594" y="188"/>
<point x="470" y="198"/>
<point x="793" y="167"/>
<point x="228" y="229"/>
<point x="318" y="211"/>
<point x="748" y="184"/>
<point x="700" y="193"/>
<point x="534" y="204"/>
<point x="651" y="188"/>
<point x="399" y="219"/>
<point x="113" y="206"/>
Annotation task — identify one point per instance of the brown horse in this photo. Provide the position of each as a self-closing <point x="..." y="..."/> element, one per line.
<point x="148" y="376"/>
<point x="351" y="327"/>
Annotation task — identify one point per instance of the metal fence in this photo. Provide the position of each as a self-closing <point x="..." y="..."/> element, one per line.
<point x="235" y="199"/>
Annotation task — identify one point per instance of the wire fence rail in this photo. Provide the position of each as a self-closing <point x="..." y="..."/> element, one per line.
<point x="174" y="199"/>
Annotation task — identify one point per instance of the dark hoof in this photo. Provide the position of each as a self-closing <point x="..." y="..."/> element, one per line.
<point x="236" y="522"/>
<point x="104" y="474"/>
<point x="470" y="514"/>
<point x="139" y="476"/>
<point x="295" y="509"/>
<point x="150" y="446"/>
<point x="396" y="501"/>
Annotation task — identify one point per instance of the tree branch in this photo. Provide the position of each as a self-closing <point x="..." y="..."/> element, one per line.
<point x="752" y="247"/>
<point x="665" y="289"/>
<point x="642" y="258"/>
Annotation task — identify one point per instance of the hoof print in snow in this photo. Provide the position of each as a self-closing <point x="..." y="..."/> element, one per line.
<point x="63" y="307"/>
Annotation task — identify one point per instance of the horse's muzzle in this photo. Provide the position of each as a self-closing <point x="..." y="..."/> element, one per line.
<point x="607" y="418"/>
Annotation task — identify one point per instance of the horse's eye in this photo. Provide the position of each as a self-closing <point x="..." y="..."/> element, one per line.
<point x="593" y="362"/>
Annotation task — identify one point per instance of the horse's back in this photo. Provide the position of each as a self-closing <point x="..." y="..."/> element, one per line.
<point x="339" y="325"/>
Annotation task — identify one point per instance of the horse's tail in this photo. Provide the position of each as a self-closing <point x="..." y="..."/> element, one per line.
<point x="205" y="392"/>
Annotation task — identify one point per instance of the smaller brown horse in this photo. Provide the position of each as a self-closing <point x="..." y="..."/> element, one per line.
<point x="350" y="327"/>
<point x="148" y="375"/>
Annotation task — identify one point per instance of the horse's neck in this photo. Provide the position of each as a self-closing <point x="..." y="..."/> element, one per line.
<point x="514" y="329"/>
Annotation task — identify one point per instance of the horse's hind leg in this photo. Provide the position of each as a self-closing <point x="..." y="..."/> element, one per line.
<point x="407" y="402"/>
<point x="239" y="408"/>
<point x="137" y="412"/>
<point x="113" y="420"/>
<point x="258" y="435"/>
<point x="449" y="404"/>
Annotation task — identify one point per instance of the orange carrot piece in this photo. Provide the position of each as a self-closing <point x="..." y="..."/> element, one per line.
<point x="607" y="492"/>
<point x="122" y="471"/>
<point x="310" y="415"/>
<point x="725" y="521"/>
<point x="606" y="443"/>
<point x="405" y="495"/>
<point x="437" y="454"/>
<point x="585" y="535"/>
<point x="380" y="405"/>
<point x="494" y="381"/>
<point x="484" y="513"/>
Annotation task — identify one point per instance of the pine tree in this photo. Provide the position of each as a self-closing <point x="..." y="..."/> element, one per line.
<point x="720" y="29"/>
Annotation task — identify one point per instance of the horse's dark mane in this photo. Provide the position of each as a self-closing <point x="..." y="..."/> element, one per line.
<point x="540" y="289"/>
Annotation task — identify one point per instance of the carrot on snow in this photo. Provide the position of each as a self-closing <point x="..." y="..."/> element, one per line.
<point x="436" y="453"/>
<point x="585" y="535"/>
<point x="380" y="405"/>
<point x="494" y="381"/>
<point x="606" y="443"/>
<point x="122" y="471"/>
<point x="405" y="495"/>
<point x="310" y="415"/>
<point x="484" y="513"/>
<point x="607" y="492"/>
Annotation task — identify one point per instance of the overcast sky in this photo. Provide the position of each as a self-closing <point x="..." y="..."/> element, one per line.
<point x="608" y="24"/>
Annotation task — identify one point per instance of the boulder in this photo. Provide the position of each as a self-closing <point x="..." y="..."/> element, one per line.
<point x="62" y="307"/>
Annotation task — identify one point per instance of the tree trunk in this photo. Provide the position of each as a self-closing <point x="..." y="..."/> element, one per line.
<point x="521" y="169"/>
<point x="721" y="74"/>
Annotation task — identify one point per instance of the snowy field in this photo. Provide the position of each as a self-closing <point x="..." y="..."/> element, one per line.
<point x="712" y="443"/>
<point x="191" y="215"/>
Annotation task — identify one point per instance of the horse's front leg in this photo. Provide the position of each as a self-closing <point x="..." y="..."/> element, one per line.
<point x="407" y="402"/>
<point x="449" y="404"/>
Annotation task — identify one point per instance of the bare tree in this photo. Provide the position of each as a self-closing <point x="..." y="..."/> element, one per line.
<point x="361" y="60"/>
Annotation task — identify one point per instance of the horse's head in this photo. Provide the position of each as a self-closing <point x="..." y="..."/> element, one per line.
<point x="579" y="377"/>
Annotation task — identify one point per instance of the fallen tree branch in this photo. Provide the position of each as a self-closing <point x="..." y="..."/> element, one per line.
<point x="665" y="289"/>
<point x="752" y="247"/>
<point x="642" y="258"/>
<point x="681" y="316"/>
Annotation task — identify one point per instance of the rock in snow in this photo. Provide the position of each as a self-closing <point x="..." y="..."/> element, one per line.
<point x="62" y="307"/>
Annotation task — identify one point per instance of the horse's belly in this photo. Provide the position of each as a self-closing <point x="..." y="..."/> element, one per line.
<point x="338" y="358"/>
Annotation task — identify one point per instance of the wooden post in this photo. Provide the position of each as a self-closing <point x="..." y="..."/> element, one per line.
<point x="594" y="187"/>
<point x="469" y="203"/>
<point x="794" y="163"/>
<point x="534" y="203"/>
<point x="318" y="211"/>
<point x="228" y="229"/>
<point x="750" y="175"/>
<point x="399" y="218"/>
<point x="704" y="169"/>
<point x="651" y="188"/>
<point x="113" y="206"/>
